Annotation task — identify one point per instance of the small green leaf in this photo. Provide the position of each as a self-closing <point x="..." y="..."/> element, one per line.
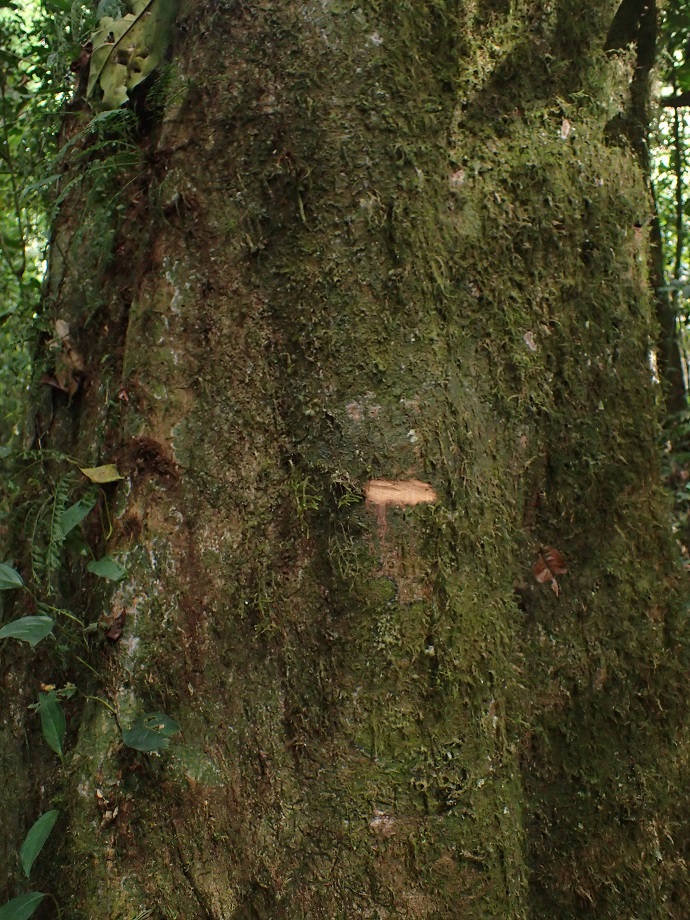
<point x="107" y="473"/>
<point x="150" y="732"/>
<point x="9" y="578"/>
<point x="37" y="836"/>
<point x="76" y="513"/>
<point x="107" y="567"/>
<point x="21" y="908"/>
<point x="28" y="629"/>
<point x="53" y="722"/>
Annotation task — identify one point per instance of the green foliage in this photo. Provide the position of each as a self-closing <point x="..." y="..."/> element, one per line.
<point x="35" y="840"/>
<point x="669" y="153"/>
<point x="42" y="525"/>
<point x="28" y="629"/>
<point x="676" y="15"/>
<point x="671" y="177"/>
<point x="22" y="907"/>
<point x="36" y="41"/>
<point x="76" y="513"/>
<point x="54" y="507"/>
<point x="150" y="732"/>
<point x="53" y="721"/>
<point x="107" y="568"/>
<point x="9" y="578"/>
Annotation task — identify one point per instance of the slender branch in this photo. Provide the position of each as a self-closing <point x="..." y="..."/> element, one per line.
<point x="678" y="164"/>
<point x="676" y="101"/>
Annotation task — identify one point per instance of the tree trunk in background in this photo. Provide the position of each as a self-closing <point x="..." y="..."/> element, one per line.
<point x="365" y="328"/>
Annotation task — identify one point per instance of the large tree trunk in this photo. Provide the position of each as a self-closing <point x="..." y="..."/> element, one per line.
<point x="366" y="328"/>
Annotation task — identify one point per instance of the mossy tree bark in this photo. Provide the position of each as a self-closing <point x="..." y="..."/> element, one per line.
<point x="366" y="327"/>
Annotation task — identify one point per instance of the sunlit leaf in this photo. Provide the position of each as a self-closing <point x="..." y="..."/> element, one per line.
<point x="101" y="474"/>
<point x="35" y="839"/>
<point x="150" y="732"/>
<point x="128" y="49"/>
<point x="9" y="578"/>
<point x="107" y="567"/>
<point x="21" y="908"/>
<point x="28" y="629"/>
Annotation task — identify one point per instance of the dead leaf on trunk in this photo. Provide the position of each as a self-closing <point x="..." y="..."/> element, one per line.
<point x="114" y="624"/>
<point x="549" y="564"/>
<point x="52" y="381"/>
<point x="69" y="364"/>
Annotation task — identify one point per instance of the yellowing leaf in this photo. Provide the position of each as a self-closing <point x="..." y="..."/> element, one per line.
<point x="128" y="49"/>
<point x="107" y="473"/>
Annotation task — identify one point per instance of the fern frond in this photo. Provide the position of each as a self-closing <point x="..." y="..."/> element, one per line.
<point x="56" y="537"/>
<point x="35" y="530"/>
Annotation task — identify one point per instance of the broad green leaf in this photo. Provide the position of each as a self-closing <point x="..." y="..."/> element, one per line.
<point x="9" y="578"/>
<point x="107" y="567"/>
<point x="150" y="732"/>
<point x="37" y="836"/>
<point x="28" y="629"/>
<point x="53" y="722"/>
<point x="21" y="908"/>
<point x="76" y="513"/>
<point x="106" y="473"/>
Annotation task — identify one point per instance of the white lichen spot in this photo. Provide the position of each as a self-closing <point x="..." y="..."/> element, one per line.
<point x="382" y="824"/>
<point x="529" y="341"/>
<point x="177" y="301"/>
<point x="130" y="645"/>
<point x="457" y="179"/>
<point x="358" y="408"/>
